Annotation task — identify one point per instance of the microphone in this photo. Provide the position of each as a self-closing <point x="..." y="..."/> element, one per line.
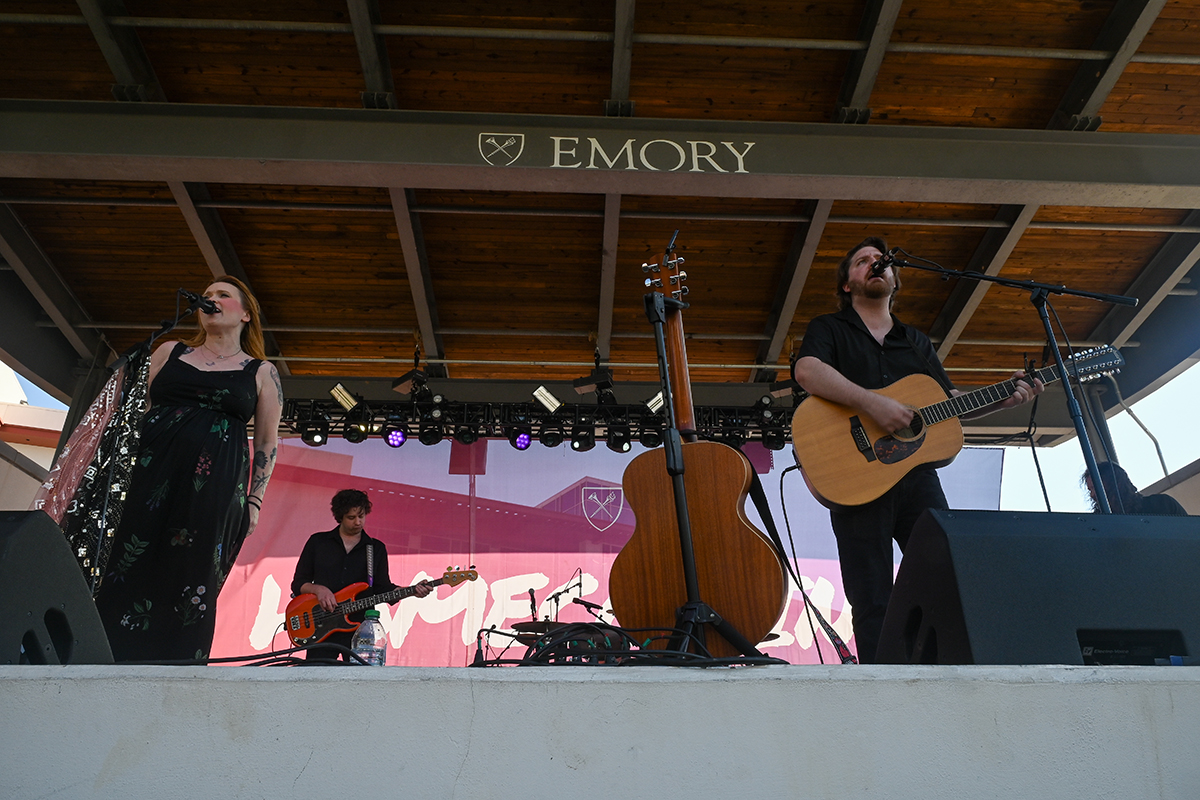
<point x="204" y="304"/>
<point x="532" y="605"/>
<point x="579" y="601"/>
<point x="886" y="260"/>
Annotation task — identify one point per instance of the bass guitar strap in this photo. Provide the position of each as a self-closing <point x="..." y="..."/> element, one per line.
<point x="759" y="495"/>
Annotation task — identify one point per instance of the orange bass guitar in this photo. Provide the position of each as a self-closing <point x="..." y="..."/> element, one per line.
<point x="307" y="623"/>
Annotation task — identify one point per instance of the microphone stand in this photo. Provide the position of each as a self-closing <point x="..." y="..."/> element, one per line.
<point x="1039" y="294"/>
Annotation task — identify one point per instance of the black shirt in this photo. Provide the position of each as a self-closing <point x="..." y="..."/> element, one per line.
<point x="843" y="341"/>
<point x="324" y="561"/>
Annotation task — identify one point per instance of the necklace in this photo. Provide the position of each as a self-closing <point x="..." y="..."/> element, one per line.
<point x="217" y="357"/>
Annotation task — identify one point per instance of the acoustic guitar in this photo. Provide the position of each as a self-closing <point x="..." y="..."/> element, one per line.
<point x="848" y="460"/>
<point x="307" y="623"/>
<point x="737" y="570"/>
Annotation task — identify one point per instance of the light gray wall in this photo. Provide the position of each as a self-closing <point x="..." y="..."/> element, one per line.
<point x="548" y="732"/>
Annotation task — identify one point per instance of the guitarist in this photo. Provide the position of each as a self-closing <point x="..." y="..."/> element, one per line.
<point x="332" y="560"/>
<point x="843" y="356"/>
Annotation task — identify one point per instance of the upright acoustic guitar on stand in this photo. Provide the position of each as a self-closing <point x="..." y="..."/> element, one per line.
<point x="739" y="574"/>
<point x="848" y="460"/>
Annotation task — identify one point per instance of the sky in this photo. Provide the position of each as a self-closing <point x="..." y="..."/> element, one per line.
<point x="1062" y="466"/>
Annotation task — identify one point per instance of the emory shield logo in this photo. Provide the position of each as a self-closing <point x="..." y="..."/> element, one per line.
<point x="501" y="149"/>
<point x="602" y="505"/>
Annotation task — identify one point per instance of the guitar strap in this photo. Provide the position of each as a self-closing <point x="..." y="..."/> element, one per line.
<point x="370" y="564"/>
<point x="759" y="495"/>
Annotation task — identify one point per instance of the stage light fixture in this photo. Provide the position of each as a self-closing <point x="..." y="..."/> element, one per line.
<point x="344" y="397"/>
<point x="618" y="438"/>
<point x="395" y="435"/>
<point x="785" y="388"/>
<point x="520" y="437"/>
<point x="734" y="439"/>
<point x="650" y="437"/>
<point x="466" y="434"/>
<point x="547" y="399"/>
<point x="315" y="434"/>
<point x="413" y="379"/>
<point x="355" y="433"/>
<point x="774" y="438"/>
<point x="551" y="436"/>
<point x="430" y="434"/>
<point x="583" y="438"/>
<point x="601" y="378"/>
<point x="655" y="403"/>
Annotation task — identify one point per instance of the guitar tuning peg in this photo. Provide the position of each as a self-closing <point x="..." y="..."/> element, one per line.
<point x="682" y="275"/>
<point x="654" y="283"/>
<point x="645" y="267"/>
<point x="684" y="289"/>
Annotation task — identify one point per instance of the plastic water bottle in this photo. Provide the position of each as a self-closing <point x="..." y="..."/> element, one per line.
<point x="370" y="642"/>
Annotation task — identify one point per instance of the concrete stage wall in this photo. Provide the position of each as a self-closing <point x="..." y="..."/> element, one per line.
<point x="543" y="732"/>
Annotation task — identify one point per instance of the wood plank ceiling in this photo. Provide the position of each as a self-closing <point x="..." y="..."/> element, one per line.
<point x="529" y="283"/>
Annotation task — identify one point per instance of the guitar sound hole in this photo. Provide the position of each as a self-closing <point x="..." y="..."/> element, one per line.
<point x="913" y="431"/>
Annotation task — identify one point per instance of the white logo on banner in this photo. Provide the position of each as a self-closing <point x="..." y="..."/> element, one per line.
<point x="602" y="505"/>
<point x="501" y="149"/>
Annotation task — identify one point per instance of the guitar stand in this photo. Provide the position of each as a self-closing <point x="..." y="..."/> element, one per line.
<point x="693" y="616"/>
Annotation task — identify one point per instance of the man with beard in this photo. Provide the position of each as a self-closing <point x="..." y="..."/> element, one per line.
<point x="844" y="356"/>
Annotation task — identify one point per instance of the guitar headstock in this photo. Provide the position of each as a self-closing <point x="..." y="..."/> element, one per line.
<point x="1094" y="362"/>
<point x="454" y="576"/>
<point x="668" y="266"/>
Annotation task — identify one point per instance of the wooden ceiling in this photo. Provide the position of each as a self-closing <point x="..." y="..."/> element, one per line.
<point x="303" y="145"/>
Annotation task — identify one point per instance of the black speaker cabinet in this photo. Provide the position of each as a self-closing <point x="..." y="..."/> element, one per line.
<point x="47" y="615"/>
<point x="1009" y="587"/>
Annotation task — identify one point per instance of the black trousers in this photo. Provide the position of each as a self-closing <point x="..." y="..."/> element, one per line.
<point x="864" y="538"/>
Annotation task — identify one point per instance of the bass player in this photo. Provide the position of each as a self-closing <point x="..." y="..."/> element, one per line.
<point x="844" y="355"/>
<point x="333" y="560"/>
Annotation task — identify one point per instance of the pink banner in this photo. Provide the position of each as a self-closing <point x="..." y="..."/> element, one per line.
<point x="571" y="536"/>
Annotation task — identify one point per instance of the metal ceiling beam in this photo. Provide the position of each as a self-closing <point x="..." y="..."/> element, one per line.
<point x="526" y="34"/>
<point x="123" y="51"/>
<point x="42" y="354"/>
<point x="219" y="253"/>
<point x="372" y="53"/>
<point x="1122" y="34"/>
<point x="994" y="249"/>
<point x="420" y="282"/>
<point x="610" y="240"/>
<point x="795" y="274"/>
<point x="879" y="18"/>
<point x="618" y="103"/>
<point x="348" y="147"/>
<point x="43" y="281"/>
<point x="1177" y="256"/>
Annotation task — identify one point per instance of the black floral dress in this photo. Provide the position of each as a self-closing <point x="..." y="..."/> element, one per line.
<point x="185" y="515"/>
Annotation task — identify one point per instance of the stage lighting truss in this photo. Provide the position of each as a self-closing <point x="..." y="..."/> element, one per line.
<point x="583" y="424"/>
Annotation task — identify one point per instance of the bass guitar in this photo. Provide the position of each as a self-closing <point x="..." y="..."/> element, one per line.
<point x="307" y="623"/>
<point x="738" y="572"/>
<point x="848" y="460"/>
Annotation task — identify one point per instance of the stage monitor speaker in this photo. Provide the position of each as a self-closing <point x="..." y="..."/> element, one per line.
<point x="47" y="615"/>
<point x="1004" y="587"/>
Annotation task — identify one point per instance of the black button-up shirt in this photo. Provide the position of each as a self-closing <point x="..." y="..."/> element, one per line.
<point x="843" y="341"/>
<point x="324" y="561"/>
